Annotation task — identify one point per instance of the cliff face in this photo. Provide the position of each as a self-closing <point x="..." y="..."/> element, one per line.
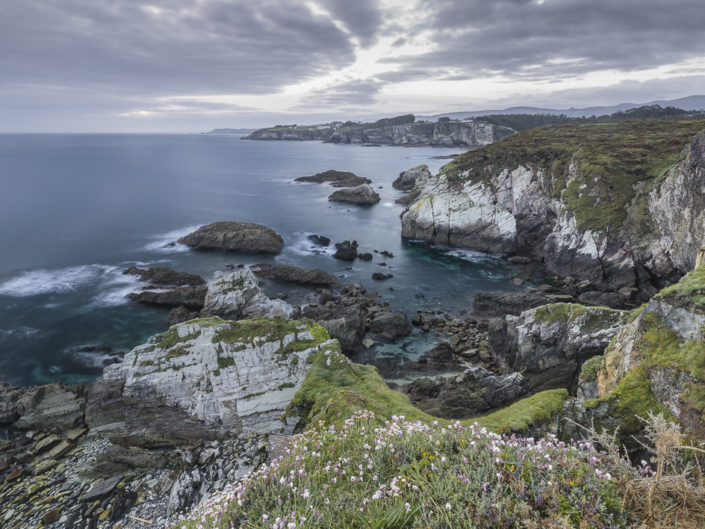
<point x="466" y="134"/>
<point x="622" y="218"/>
<point x="471" y="134"/>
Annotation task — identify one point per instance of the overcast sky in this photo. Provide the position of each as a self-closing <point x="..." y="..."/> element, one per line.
<point x="192" y="65"/>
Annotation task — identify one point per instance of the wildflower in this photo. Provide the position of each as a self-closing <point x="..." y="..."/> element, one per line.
<point x="448" y="507"/>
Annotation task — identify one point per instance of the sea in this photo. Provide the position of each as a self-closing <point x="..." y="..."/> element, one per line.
<point x="77" y="210"/>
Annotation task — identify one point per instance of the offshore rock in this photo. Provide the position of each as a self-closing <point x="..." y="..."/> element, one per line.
<point x="346" y="250"/>
<point x="244" y="237"/>
<point x="166" y="277"/>
<point x="188" y="297"/>
<point x="362" y="194"/>
<point x="336" y="179"/>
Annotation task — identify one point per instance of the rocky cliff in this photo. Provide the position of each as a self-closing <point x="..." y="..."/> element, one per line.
<point x="386" y="132"/>
<point x="618" y="205"/>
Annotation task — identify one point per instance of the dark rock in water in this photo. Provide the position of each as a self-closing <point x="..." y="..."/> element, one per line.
<point x="407" y="179"/>
<point x="293" y="274"/>
<point x="520" y="259"/>
<point x="476" y="391"/>
<point x="336" y="178"/>
<point x="389" y="325"/>
<point x="499" y="304"/>
<point x="346" y="250"/>
<point x="188" y="297"/>
<point x="365" y="256"/>
<point x="378" y="276"/>
<point x="362" y="194"/>
<point x="387" y="254"/>
<point x="166" y="276"/>
<point x="320" y="240"/>
<point x="442" y="352"/>
<point x="180" y="315"/>
<point x="242" y="237"/>
<point x="606" y="299"/>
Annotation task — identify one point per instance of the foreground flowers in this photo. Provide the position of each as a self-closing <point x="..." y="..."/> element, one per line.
<point x="409" y="474"/>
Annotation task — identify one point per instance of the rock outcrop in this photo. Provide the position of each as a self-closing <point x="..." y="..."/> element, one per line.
<point x="621" y="224"/>
<point x="293" y="274"/>
<point x="237" y="295"/>
<point x="336" y="178"/>
<point x="161" y="276"/>
<point x="232" y="374"/>
<point x="658" y="358"/>
<point x="407" y="179"/>
<point x="549" y="344"/>
<point x="244" y="237"/>
<point x="476" y="391"/>
<point x="362" y="194"/>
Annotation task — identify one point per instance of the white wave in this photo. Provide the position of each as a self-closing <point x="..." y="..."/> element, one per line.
<point x="388" y="204"/>
<point x="56" y="281"/>
<point x="96" y="358"/>
<point x="472" y="256"/>
<point x="166" y="242"/>
<point x="20" y="332"/>
<point x="114" y="288"/>
<point x="303" y="246"/>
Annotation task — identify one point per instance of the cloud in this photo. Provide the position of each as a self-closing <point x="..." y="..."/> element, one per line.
<point x="131" y="64"/>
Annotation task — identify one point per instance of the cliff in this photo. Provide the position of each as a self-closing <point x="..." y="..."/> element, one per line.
<point x="617" y="205"/>
<point x="390" y="132"/>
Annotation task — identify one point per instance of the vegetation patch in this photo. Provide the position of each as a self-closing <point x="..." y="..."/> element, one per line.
<point x="588" y="373"/>
<point x="245" y="331"/>
<point x="366" y="473"/>
<point x="688" y="293"/>
<point x="171" y="337"/>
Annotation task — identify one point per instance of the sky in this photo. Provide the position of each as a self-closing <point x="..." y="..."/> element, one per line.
<point x="194" y="65"/>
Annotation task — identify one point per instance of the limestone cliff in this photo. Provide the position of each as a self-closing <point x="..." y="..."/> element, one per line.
<point x="618" y="205"/>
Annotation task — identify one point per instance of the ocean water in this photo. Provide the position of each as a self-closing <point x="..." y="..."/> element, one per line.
<point x="76" y="210"/>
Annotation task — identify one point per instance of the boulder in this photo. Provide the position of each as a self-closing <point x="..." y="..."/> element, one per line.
<point x="320" y="240"/>
<point x="53" y="407"/>
<point x="242" y="237"/>
<point x="293" y="274"/>
<point x="344" y="323"/>
<point x="187" y="297"/>
<point x="166" y="277"/>
<point x="336" y="178"/>
<point x="474" y="392"/>
<point x="346" y="250"/>
<point x="407" y="179"/>
<point x="236" y="295"/>
<point x="389" y="325"/>
<point x="362" y="194"/>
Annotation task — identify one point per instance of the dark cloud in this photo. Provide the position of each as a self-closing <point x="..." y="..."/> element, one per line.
<point x="565" y="36"/>
<point x="170" y="46"/>
<point x="363" y="18"/>
<point x="356" y="93"/>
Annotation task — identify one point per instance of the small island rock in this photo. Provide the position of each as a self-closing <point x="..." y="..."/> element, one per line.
<point x="244" y="237"/>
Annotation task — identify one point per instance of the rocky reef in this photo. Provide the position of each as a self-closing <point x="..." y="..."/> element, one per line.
<point x="628" y="219"/>
<point x="362" y="194"/>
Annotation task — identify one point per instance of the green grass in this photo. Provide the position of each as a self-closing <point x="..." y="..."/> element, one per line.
<point x="245" y="331"/>
<point x="588" y="373"/>
<point x="335" y="388"/>
<point x="595" y="318"/>
<point x="688" y="293"/>
<point x="613" y="162"/>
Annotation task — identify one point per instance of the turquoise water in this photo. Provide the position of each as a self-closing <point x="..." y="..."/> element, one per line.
<point x="75" y="210"/>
